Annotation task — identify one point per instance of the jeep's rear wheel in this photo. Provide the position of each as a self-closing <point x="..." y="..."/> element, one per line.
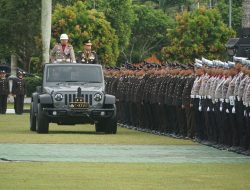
<point x="42" y="122"/>
<point x="32" y="119"/>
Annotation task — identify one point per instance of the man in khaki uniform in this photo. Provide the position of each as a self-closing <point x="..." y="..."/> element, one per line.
<point x="63" y="52"/>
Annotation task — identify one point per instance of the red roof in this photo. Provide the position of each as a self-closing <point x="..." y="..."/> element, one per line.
<point x="153" y="59"/>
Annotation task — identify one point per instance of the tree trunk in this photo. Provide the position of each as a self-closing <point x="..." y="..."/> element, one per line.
<point x="246" y="14"/>
<point x="13" y="64"/>
<point x="46" y="28"/>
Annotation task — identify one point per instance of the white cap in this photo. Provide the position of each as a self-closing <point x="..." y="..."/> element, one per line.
<point x="64" y="37"/>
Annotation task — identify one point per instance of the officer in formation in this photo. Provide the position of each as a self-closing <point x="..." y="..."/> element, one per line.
<point x="63" y="52"/>
<point x="208" y="101"/>
<point x="87" y="56"/>
<point x="19" y="91"/>
<point x="4" y="92"/>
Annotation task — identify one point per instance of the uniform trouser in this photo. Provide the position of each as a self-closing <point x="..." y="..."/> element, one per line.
<point x="156" y="116"/>
<point x="204" y="104"/>
<point x="132" y="113"/>
<point x="168" y="111"/>
<point x="235" y="128"/>
<point x="218" y="129"/>
<point x="229" y="124"/>
<point x="162" y="118"/>
<point x="148" y="116"/>
<point x="211" y="123"/>
<point x="198" y="119"/>
<point x="126" y="117"/>
<point x="3" y="104"/>
<point x="247" y="125"/>
<point x="182" y="122"/>
<point x="190" y="118"/>
<point x="18" y="104"/>
<point x="142" y="122"/>
<point x="241" y="123"/>
<point x="171" y="120"/>
<point x="118" y="106"/>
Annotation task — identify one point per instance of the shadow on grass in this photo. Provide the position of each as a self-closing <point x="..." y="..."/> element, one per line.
<point x="77" y="132"/>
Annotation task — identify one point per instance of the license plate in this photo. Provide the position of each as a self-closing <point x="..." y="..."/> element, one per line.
<point x="78" y="104"/>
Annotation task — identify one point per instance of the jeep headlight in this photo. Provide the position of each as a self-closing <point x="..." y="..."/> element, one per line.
<point x="58" y="97"/>
<point x="98" y="97"/>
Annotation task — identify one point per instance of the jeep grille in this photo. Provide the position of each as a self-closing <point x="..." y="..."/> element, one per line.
<point x="72" y="97"/>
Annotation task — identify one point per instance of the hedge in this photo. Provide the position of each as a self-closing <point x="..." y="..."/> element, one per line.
<point x="32" y="83"/>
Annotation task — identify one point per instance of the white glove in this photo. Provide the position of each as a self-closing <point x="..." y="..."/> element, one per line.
<point x="199" y="108"/>
<point x="233" y="110"/>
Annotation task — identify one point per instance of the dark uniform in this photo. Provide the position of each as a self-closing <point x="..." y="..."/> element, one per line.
<point x="4" y="92"/>
<point x="87" y="58"/>
<point x="19" y="91"/>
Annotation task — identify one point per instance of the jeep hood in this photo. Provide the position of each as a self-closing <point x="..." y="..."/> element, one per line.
<point x="74" y="88"/>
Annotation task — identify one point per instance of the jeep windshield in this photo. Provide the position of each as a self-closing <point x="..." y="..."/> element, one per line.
<point x="74" y="73"/>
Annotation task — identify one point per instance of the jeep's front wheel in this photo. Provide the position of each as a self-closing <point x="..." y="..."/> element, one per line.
<point x="32" y="119"/>
<point x="42" y="122"/>
<point x="99" y="127"/>
<point x="108" y="126"/>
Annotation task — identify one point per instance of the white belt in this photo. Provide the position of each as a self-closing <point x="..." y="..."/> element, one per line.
<point x="238" y="98"/>
<point x="231" y="99"/>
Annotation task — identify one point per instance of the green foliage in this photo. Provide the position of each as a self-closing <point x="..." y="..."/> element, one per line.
<point x="148" y="33"/>
<point x="20" y="25"/>
<point x="35" y="65"/>
<point x="223" y="8"/>
<point x="32" y="83"/>
<point x="198" y="33"/>
<point x="82" y="24"/>
<point x="121" y="16"/>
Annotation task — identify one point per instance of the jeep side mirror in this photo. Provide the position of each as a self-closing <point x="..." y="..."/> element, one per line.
<point x="39" y="89"/>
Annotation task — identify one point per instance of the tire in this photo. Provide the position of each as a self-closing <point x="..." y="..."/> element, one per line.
<point x="32" y="119"/>
<point x="99" y="127"/>
<point x="111" y="126"/>
<point x="108" y="126"/>
<point x="42" y="122"/>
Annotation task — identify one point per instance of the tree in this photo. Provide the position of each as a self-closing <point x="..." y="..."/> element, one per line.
<point x="82" y="24"/>
<point x="223" y="7"/>
<point x="148" y="33"/>
<point x="246" y="14"/>
<point x="198" y="33"/>
<point x="121" y="16"/>
<point x="19" y="29"/>
<point x="46" y="28"/>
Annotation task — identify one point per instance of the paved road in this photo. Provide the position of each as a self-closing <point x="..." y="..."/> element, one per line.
<point x="118" y="153"/>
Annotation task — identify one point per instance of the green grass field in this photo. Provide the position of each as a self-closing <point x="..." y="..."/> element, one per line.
<point x="11" y="106"/>
<point x="111" y="176"/>
<point x="15" y="129"/>
<point x="43" y="176"/>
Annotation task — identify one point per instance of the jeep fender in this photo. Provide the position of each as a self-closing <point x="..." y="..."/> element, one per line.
<point x="34" y="101"/>
<point x="109" y="99"/>
<point x="45" y="99"/>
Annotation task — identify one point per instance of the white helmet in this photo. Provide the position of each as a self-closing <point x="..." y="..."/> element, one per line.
<point x="64" y="37"/>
